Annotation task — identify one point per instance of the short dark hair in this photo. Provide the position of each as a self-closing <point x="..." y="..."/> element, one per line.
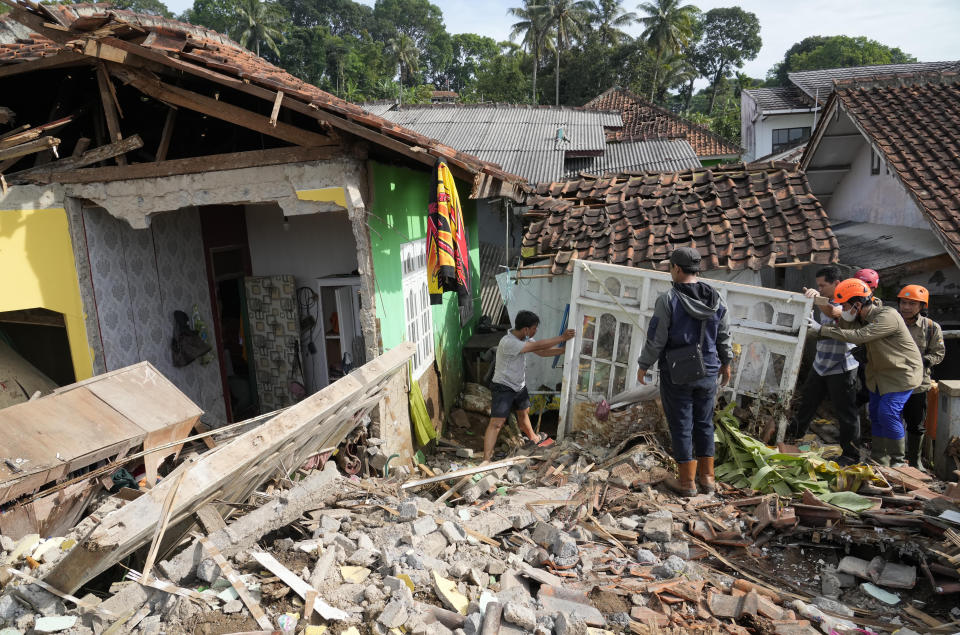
<point x="526" y="319"/>
<point x="830" y="274"/>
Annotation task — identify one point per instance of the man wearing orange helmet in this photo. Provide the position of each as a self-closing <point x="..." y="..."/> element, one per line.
<point x="894" y="366"/>
<point x="928" y="337"/>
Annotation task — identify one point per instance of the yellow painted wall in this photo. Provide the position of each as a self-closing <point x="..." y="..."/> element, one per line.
<point x="37" y="271"/>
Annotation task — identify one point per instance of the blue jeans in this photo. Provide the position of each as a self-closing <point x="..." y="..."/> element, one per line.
<point x="886" y="414"/>
<point x="689" y="412"/>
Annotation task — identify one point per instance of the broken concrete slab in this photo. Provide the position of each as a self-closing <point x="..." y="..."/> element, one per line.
<point x="448" y="594"/>
<point x="574" y="604"/>
<point x="898" y="576"/>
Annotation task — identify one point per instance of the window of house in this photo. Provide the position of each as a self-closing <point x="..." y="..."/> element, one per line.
<point x="604" y="354"/>
<point x="786" y="138"/>
<point x="416" y="303"/>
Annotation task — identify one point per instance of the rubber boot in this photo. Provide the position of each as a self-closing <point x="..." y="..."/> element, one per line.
<point x="686" y="484"/>
<point x="705" y="481"/>
<point x="914" y="443"/>
<point x="897" y="448"/>
<point x="879" y="451"/>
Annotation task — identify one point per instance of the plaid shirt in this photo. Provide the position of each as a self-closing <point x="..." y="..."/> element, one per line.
<point x="833" y="356"/>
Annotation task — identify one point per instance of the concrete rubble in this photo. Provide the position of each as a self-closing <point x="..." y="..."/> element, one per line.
<point x="576" y="539"/>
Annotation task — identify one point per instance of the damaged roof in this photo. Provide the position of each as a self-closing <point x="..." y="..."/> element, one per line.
<point x="96" y="31"/>
<point x="643" y="120"/>
<point x="539" y="143"/>
<point x="737" y="218"/>
<point x="914" y="120"/>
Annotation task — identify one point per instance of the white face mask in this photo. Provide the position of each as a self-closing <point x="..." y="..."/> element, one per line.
<point x="849" y="316"/>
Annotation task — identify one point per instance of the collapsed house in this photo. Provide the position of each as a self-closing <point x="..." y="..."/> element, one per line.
<point x="169" y="169"/>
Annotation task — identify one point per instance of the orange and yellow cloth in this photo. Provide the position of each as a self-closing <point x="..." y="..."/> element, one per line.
<point x="448" y="259"/>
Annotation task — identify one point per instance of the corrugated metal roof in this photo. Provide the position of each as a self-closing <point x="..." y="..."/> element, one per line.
<point x="656" y="155"/>
<point x="820" y="83"/>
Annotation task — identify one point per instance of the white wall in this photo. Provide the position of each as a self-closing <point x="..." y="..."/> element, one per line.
<point x="873" y="198"/>
<point x="764" y="127"/>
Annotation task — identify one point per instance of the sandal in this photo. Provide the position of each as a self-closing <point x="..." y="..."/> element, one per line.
<point x="544" y="442"/>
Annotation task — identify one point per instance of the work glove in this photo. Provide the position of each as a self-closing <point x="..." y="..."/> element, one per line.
<point x="813" y="324"/>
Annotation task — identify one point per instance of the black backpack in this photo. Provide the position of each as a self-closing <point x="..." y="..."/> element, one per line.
<point x="187" y="345"/>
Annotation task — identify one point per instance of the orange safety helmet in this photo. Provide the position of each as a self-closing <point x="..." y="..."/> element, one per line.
<point x="916" y="293"/>
<point x="871" y="277"/>
<point x="851" y="288"/>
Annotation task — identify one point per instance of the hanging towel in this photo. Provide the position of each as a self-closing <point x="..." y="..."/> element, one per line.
<point x="448" y="258"/>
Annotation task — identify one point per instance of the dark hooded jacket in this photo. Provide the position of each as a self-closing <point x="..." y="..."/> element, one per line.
<point x="676" y="323"/>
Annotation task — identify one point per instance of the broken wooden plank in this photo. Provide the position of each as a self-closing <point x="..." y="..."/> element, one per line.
<point x="235" y="469"/>
<point x="467" y="471"/>
<point x="44" y="173"/>
<point x="194" y="165"/>
<point x="299" y="587"/>
<point x="108" y="100"/>
<point x="30" y="147"/>
<point x="166" y="135"/>
<point x="161" y="526"/>
<point x="276" y="108"/>
<point x="150" y="85"/>
<point x="235" y="581"/>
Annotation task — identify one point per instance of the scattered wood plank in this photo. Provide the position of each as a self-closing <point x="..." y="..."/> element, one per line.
<point x="161" y="526"/>
<point x="276" y="108"/>
<point x="298" y="586"/>
<point x="467" y="471"/>
<point x="150" y="85"/>
<point x="237" y="584"/>
<point x="31" y="147"/>
<point x="233" y="470"/>
<point x="108" y="100"/>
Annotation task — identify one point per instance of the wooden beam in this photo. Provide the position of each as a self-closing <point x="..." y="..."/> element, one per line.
<point x="44" y="173"/>
<point x="276" y="108"/>
<point x="166" y="135"/>
<point x="829" y="168"/>
<point x="82" y="144"/>
<point x="60" y="60"/>
<point x="151" y="85"/>
<point x="209" y="163"/>
<point x="37" y="145"/>
<point x="40" y="25"/>
<point x="108" y="100"/>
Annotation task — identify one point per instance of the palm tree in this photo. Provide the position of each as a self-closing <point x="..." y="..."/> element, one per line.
<point x="609" y="19"/>
<point x="403" y="49"/>
<point x="566" y="18"/>
<point x="258" y="22"/>
<point x="533" y="31"/>
<point x="676" y="70"/>
<point x="668" y="26"/>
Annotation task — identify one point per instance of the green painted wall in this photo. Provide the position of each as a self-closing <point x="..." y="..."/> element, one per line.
<point x="399" y="214"/>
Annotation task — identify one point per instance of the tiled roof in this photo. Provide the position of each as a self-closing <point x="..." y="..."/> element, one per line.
<point x="643" y="120"/>
<point x="915" y="121"/>
<point x="738" y="218"/>
<point x="199" y="50"/>
<point x="780" y="98"/>
<point x="791" y="155"/>
<point x="819" y="84"/>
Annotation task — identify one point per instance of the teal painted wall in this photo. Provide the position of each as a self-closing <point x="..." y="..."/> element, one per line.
<point x="399" y="215"/>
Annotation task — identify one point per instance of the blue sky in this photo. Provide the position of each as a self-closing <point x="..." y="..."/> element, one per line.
<point x="924" y="28"/>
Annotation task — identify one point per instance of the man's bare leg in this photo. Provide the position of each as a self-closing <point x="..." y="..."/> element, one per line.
<point x="490" y="436"/>
<point x="523" y="421"/>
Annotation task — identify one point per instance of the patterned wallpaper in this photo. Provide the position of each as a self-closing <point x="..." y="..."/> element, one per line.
<point x="140" y="277"/>
<point x="275" y="334"/>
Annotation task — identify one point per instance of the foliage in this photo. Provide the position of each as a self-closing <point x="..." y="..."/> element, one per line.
<point x="567" y="18"/>
<point x="668" y="27"/>
<point x="150" y="7"/>
<point x="534" y="34"/>
<point x="835" y="51"/>
<point x="608" y="19"/>
<point x="731" y="36"/>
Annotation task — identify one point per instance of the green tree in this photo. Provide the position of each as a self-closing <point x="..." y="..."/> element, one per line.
<point x="421" y="21"/>
<point x="534" y="34"/>
<point x="149" y="7"/>
<point x="470" y="52"/>
<point x="609" y="19"/>
<point x="218" y="15"/>
<point x="259" y="22"/>
<point x="836" y="51"/>
<point x="404" y="52"/>
<point x="667" y="27"/>
<point x="502" y="79"/>
<point x="566" y="18"/>
<point x="731" y="36"/>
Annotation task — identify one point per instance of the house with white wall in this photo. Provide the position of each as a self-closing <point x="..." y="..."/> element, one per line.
<point x="774" y="121"/>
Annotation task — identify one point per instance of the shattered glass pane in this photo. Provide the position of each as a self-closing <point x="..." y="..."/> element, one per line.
<point x="775" y="367"/>
<point x="588" y="324"/>
<point x="587" y="348"/>
<point x="623" y="341"/>
<point x="605" y="336"/>
<point x="583" y="375"/>
<point x="601" y="378"/>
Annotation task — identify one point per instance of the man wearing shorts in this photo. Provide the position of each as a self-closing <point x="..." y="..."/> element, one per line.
<point x="510" y="379"/>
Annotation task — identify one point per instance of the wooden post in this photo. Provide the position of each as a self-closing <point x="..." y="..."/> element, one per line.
<point x="108" y="99"/>
<point x="166" y="135"/>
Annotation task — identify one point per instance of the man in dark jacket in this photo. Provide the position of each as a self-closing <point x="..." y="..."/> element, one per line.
<point x="690" y="316"/>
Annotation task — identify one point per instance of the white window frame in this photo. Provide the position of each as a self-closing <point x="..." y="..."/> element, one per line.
<point x="417" y="311"/>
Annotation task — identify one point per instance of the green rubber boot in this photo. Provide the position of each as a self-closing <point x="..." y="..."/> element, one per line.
<point x="896" y="449"/>
<point x="879" y="451"/>
<point x="914" y="443"/>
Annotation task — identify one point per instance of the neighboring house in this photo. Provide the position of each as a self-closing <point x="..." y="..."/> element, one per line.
<point x="540" y="144"/>
<point x="289" y="222"/>
<point x="644" y="121"/>
<point x="750" y="225"/>
<point x="884" y="162"/>
<point x="444" y="96"/>
<point x="776" y="122"/>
